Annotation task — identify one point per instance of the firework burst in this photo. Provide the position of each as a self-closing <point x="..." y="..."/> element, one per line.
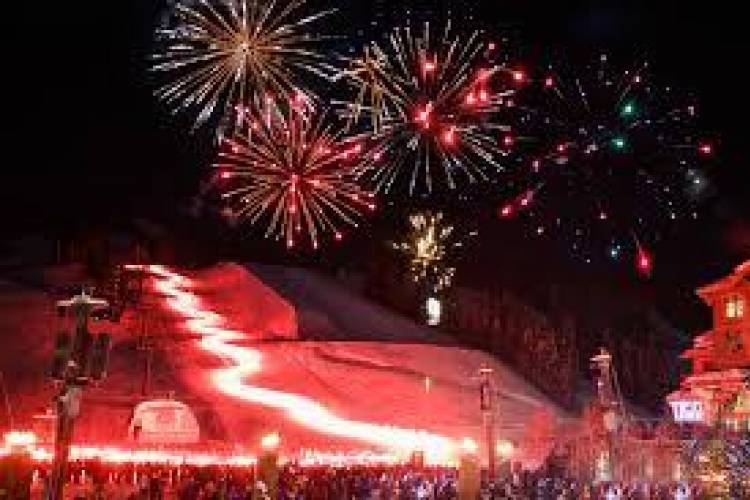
<point x="432" y="106"/>
<point x="429" y="246"/>
<point x="617" y="163"/>
<point x="223" y="53"/>
<point x="290" y="171"/>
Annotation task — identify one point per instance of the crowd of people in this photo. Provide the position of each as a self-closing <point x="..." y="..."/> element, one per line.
<point x="94" y="480"/>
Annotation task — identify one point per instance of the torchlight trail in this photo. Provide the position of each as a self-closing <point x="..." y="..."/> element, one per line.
<point x="245" y="362"/>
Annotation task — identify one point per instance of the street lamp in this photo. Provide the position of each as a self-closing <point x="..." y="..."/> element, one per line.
<point x="78" y="359"/>
<point x="487" y="406"/>
<point x="505" y="449"/>
<point x="268" y="464"/>
<point x="270" y="442"/>
<point x="469" y="446"/>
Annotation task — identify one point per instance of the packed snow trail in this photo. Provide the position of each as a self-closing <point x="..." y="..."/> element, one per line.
<point x="245" y="362"/>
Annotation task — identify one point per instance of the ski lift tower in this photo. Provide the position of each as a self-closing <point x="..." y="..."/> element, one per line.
<point x="613" y="412"/>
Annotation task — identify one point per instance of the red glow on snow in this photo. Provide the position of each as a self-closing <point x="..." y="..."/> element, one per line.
<point x="115" y="455"/>
<point x="19" y="439"/>
<point x="242" y="362"/>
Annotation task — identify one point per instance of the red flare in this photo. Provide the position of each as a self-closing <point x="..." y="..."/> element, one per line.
<point x="706" y="148"/>
<point x="644" y="262"/>
<point x="506" y="211"/>
<point x="429" y="66"/>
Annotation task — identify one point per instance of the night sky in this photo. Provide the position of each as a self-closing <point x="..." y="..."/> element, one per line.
<point x="87" y="142"/>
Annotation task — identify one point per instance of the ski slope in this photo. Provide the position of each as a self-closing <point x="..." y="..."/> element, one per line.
<point x="228" y="344"/>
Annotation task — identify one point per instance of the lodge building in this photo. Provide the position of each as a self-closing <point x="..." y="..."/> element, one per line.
<point x="717" y="391"/>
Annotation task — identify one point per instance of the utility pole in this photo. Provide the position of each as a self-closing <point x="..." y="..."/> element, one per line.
<point x="487" y="406"/>
<point x="78" y="360"/>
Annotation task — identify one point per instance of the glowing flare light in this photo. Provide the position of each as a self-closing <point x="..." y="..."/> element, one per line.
<point x="245" y="362"/>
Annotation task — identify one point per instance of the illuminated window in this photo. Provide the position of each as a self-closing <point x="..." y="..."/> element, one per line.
<point x="735" y="307"/>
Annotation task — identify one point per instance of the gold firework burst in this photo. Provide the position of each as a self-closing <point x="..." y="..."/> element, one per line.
<point x="427" y="246"/>
<point x="221" y="54"/>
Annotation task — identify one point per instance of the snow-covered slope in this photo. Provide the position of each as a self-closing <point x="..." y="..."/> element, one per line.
<point x="325" y="394"/>
<point x="328" y="310"/>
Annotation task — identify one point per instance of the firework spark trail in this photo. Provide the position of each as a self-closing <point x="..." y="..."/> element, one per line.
<point x="433" y="108"/>
<point x="244" y="362"/>
<point x="618" y="162"/>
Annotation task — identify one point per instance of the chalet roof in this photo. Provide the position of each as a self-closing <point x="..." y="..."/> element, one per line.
<point x="741" y="275"/>
<point x="726" y="379"/>
<point x="683" y="395"/>
<point x="702" y="345"/>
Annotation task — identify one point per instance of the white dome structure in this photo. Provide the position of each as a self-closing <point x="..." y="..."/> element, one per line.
<point x="163" y="421"/>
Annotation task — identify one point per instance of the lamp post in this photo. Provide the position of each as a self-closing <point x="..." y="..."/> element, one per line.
<point x="268" y="463"/>
<point x="487" y="406"/>
<point x="468" y="472"/>
<point x="505" y="450"/>
<point x="77" y="361"/>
